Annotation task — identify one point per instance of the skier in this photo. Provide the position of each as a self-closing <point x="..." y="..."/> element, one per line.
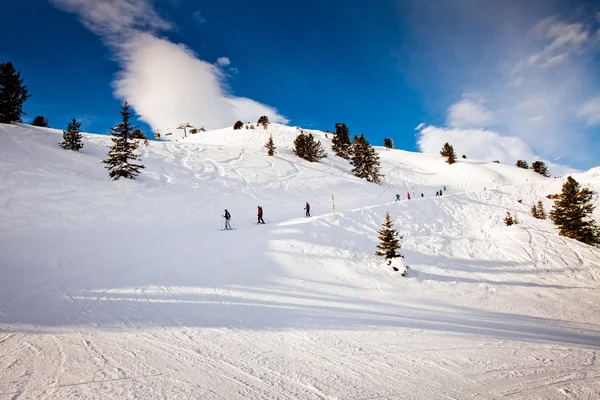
<point x="227" y="217"/>
<point x="422" y="195"/>
<point x="440" y="192"/>
<point x="408" y="196"/>
<point x="260" y="214"/>
<point x="307" y="208"/>
<point x="397" y="197"/>
<point x="437" y="193"/>
<point x="520" y="200"/>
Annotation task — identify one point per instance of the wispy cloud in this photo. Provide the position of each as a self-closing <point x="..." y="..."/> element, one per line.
<point x="590" y="111"/>
<point x="469" y="113"/>
<point x="166" y="83"/>
<point x="198" y="18"/>
<point x="223" y="61"/>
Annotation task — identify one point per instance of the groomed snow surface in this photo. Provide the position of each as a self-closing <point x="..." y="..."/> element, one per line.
<point x="128" y="289"/>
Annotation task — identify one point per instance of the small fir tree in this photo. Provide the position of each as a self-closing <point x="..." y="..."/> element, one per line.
<point x="122" y="151"/>
<point x="389" y="242"/>
<point x="40" y="121"/>
<point x="12" y="94"/>
<point x="270" y="146"/>
<point x="299" y="148"/>
<point x="263" y="120"/>
<point x="448" y="152"/>
<point x="534" y="212"/>
<point x="541" y="168"/>
<point x="388" y="143"/>
<point x="510" y="220"/>
<point x="365" y="160"/>
<point x="463" y="156"/>
<point x="72" y="136"/>
<point x="340" y="143"/>
<point x="305" y="146"/>
<point x="238" y="125"/>
<point x="139" y="134"/>
<point x="522" y="164"/>
<point x="572" y="211"/>
<point x="541" y="213"/>
<point x="252" y="126"/>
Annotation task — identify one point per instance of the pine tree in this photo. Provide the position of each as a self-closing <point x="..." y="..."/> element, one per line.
<point x="238" y="125"/>
<point x="264" y="120"/>
<point x="40" y="121"/>
<point x="522" y="164"/>
<point x="365" y="160"/>
<point x="541" y="213"/>
<point x="463" y="156"/>
<point x="448" y="152"/>
<point x="139" y="134"/>
<point x="340" y="143"/>
<point x="534" y="212"/>
<point x="389" y="242"/>
<point x="388" y="143"/>
<point x="270" y="146"/>
<point x="541" y="168"/>
<point x="572" y="212"/>
<point x="510" y="220"/>
<point x="299" y="148"/>
<point x="72" y="136"/>
<point x="122" y="150"/>
<point x="12" y="94"/>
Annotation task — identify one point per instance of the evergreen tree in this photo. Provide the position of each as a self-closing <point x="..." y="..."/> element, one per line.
<point x="305" y="146"/>
<point x="270" y="146"/>
<point x="264" y="120"/>
<point x="448" y="152"/>
<point x="510" y="220"/>
<point x="541" y="168"/>
<point x="365" y="160"/>
<point x="572" y="212"/>
<point x="388" y="143"/>
<point x="300" y="145"/>
<point x="72" y="136"/>
<point x="12" y="94"/>
<point x="238" y="125"/>
<point x="541" y="213"/>
<point x="340" y="143"/>
<point x="534" y="212"/>
<point x="389" y="242"/>
<point x="522" y="164"/>
<point x="138" y="134"/>
<point x="122" y="150"/>
<point x="463" y="156"/>
<point x="40" y="121"/>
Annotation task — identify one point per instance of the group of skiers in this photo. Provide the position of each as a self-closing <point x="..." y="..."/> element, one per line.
<point x="398" y="197"/>
<point x="227" y="216"/>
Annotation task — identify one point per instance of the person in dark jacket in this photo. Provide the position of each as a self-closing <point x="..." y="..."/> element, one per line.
<point x="227" y="217"/>
<point x="260" y="214"/>
<point x="307" y="208"/>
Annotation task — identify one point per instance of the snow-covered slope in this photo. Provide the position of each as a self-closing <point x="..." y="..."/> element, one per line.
<point x="128" y="289"/>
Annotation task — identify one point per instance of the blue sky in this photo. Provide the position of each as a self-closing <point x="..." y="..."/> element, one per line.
<point x="502" y="81"/>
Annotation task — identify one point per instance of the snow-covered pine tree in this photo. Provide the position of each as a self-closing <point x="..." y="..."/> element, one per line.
<point x="270" y="146"/>
<point x="572" y="213"/>
<point x="509" y="220"/>
<point x="299" y="148"/>
<point x="340" y="143"/>
<point x="72" y="136"/>
<point x="238" y="125"/>
<point x="448" y="152"/>
<point x="12" y="94"/>
<point x="40" y="121"/>
<point x="313" y="149"/>
<point x="522" y="164"/>
<point x="541" y="213"/>
<point x="122" y="151"/>
<point x="365" y="160"/>
<point x="541" y="168"/>
<point x="389" y="242"/>
<point x="388" y="143"/>
<point x="264" y="120"/>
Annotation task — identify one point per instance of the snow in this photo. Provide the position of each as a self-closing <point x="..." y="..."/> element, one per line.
<point x="127" y="289"/>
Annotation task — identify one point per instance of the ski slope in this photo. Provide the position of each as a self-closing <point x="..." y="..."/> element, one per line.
<point x="128" y="289"/>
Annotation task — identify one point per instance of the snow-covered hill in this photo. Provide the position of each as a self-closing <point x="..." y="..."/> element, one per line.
<point x="128" y="289"/>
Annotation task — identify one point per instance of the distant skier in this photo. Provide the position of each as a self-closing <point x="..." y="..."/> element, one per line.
<point x="227" y="217"/>
<point x="260" y="214"/>
<point x="520" y="200"/>
<point x="307" y="208"/>
<point x="437" y="193"/>
<point x="440" y="192"/>
<point x="444" y="188"/>
<point x="422" y="195"/>
<point x="408" y="196"/>
<point x="397" y="197"/>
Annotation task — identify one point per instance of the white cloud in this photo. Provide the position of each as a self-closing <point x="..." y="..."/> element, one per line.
<point x="198" y="18"/>
<point x="420" y="126"/>
<point x="223" y="61"/>
<point x="469" y="114"/>
<point x="481" y="144"/>
<point x="166" y="83"/>
<point x="590" y="111"/>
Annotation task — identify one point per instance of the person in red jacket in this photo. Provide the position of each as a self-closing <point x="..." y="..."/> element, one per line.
<point x="260" y="214"/>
